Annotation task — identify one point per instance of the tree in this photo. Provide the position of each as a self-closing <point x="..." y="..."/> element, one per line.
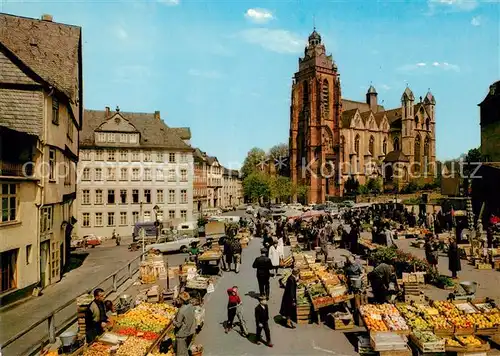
<point x="374" y="185"/>
<point x="256" y="186"/>
<point x="474" y="156"/>
<point x="300" y="190"/>
<point x="351" y="185"/>
<point x="280" y="188"/>
<point x="279" y="156"/>
<point x="254" y="158"/>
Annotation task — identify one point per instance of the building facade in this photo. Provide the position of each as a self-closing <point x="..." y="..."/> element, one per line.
<point x="332" y="138"/>
<point x="231" y="188"/>
<point x="214" y="182"/>
<point x="490" y="124"/>
<point x="131" y="163"/>
<point x="200" y="188"/>
<point x="40" y="118"/>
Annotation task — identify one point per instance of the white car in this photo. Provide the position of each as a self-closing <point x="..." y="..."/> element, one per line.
<point x="250" y="210"/>
<point x="173" y="243"/>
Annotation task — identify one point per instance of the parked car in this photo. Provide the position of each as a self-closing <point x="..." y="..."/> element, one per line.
<point x="308" y="207"/>
<point x="348" y="203"/>
<point x="241" y="207"/>
<point x="250" y="210"/>
<point x="319" y="207"/>
<point x="277" y="209"/>
<point x="173" y="243"/>
<point x="92" y="240"/>
<point x="189" y="228"/>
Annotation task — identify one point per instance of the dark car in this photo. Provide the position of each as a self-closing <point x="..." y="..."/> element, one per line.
<point x="320" y="207"/>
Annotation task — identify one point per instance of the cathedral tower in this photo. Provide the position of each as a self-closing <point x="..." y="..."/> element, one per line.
<point x="314" y="117"/>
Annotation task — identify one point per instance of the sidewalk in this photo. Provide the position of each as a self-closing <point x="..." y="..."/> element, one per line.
<point x="101" y="262"/>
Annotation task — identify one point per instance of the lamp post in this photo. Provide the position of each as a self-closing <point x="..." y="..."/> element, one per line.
<point x="156" y="208"/>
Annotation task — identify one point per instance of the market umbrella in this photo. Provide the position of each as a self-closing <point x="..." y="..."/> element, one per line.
<point x="293" y="213"/>
<point x="311" y="214"/>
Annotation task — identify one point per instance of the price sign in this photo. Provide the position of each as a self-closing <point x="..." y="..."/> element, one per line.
<point x="210" y="288"/>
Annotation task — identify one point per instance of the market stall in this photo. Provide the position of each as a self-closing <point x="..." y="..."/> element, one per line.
<point x="210" y="261"/>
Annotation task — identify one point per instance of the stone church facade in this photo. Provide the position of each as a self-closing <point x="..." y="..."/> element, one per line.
<point x="332" y="138"/>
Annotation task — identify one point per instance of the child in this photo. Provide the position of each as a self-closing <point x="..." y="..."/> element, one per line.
<point x="232" y="304"/>
<point x="262" y="320"/>
<point x="239" y="315"/>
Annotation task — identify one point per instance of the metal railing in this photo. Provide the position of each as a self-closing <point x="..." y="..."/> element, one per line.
<point x="15" y="169"/>
<point x="110" y="284"/>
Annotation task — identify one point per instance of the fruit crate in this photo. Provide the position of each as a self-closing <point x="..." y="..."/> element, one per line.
<point x="488" y="331"/>
<point x="425" y="347"/>
<point x="464" y="331"/>
<point x="405" y="352"/>
<point x="484" y="266"/>
<point x="485" y="346"/>
<point x="444" y="332"/>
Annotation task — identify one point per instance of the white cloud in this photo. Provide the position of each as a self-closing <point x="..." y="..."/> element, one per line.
<point x="259" y="15"/>
<point x="131" y="73"/>
<point x="169" y="2"/>
<point x="451" y="5"/>
<point x="384" y="87"/>
<point x="209" y="74"/>
<point x="476" y="21"/>
<point x="436" y="65"/>
<point x="280" y="41"/>
<point x="121" y="33"/>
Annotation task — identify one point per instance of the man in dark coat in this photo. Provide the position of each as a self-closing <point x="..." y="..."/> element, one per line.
<point x="454" y="258"/>
<point x="262" y="321"/>
<point x="380" y="279"/>
<point x="263" y="265"/>
<point x="289" y="301"/>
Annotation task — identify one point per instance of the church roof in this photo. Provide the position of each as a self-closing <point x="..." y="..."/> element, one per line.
<point x="408" y="94"/>
<point x="362" y="106"/>
<point x="379" y="116"/>
<point x="396" y="156"/>
<point x="371" y="90"/>
<point x="429" y="98"/>
<point x="365" y="115"/>
<point x="393" y="115"/>
<point x="347" y="117"/>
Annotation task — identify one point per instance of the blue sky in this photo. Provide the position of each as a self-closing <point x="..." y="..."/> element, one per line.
<point x="224" y="68"/>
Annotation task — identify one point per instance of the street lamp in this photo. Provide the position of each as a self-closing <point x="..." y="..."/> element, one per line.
<point x="156" y="208"/>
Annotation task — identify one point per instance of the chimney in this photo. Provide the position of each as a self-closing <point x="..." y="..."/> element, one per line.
<point x="47" y="17"/>
<point x="107" y="112"/>
<point x="157" y="115"/>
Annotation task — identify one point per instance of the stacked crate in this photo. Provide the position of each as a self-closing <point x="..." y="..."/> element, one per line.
<point x="303" y="310"/>
<point x="82" y="303"/>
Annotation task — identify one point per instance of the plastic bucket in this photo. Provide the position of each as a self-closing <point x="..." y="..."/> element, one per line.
<point x="68" y="338"/>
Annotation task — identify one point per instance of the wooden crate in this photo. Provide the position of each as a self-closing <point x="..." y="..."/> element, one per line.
<point x="484" y="266"/>
<point x="438" y="346"/>
<point x="464" y="331"/>
<point x="405" y="352"/>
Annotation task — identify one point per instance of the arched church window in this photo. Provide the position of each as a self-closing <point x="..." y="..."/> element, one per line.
<point x="428" y="125"/>
<point x="305" y="92"/>
<point x="384" y="146"/>
<point x="417" y="154"/>
<point x="416" y="122"/>
<point x="396" y="144"/>
<point x="371" y="145"/>
<point x="427" y="148"/>
<point x="342" y="148"/>
<point x="325" y="96"/>
<point x="356" y="144"/>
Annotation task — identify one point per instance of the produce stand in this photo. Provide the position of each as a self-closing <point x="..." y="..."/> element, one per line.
<point x="210" y="261"/>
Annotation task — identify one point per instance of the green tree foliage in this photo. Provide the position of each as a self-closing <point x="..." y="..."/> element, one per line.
<point x="254" y="158"/>
<point x="474" y="155"/>
<point x="279" y="156"/>
<point x="374" y="185"/>
<point x="280" y="188"/>
<point x="256" y="186"/>
<point x="351" y="185"/>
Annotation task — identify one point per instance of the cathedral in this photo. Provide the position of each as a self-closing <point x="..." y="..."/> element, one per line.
<point x="333" y="138"/>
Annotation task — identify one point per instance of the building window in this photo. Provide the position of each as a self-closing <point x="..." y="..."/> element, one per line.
<point x="111" y="196"/>
<point x="384" y="146"/>
<point x="123" y="196"/>
<point x="98" y="219"/>
<point x="184" y="176"/>
<point x="396" y="144"/>
<point x="426" y="151"/>
<point x="342" y="148"/>
<point x="99" y="155"/>
<point x="111" y="155"/>
<point x="159" y="215"/>
<point x="101" y="137"/>
<point x="135" y="173"/>
<point x="305" y="92"/>
<point x="159" y="174"/>
<point x="123" y="218"/>
<point x="29" y="254"/>
<point x="325" y="96"/>
<point x="9" y="202"/>
<point x="52" y="165"/>
<point x="147" y="216"/>
<point x="85" y="155"/>
<point x="85" y="197"/>
<point x="86" y="220"/>
<point x="184" y="198"/>
<point x="147" y="173"/>
<point x="171" y="175"/>
<point x="147" y="156"/>
<point x="111" y="219"/>
<point x="417" y="154"/>
<point x="123" y="173"/>
<point x="55" y="110"/>
<point x="171" y="196"/>
<point x="8" y="270"/>
<point x="98" y="174"/>
<point x="46" y="219"/>
<point x="98" y="196"/>
<point x="159" y="196"/>
<point x="135" y="156"/>
<point x="111" y="137"/>
<point x="356" y="144"/>
<point x="69" y="132"/>
<point x="184" y="158"/>
<point x="123" y="155"/>
<point x="55" y="260"/>
<point x="171" y="157"/>
<point x="371" y="145"/>
<point x="416" y="122"/>
<point x="183" y="214"/>
<point x="171" y="214"/>
<point x="123" y="138"/>
<point x="428" y="124"/>
<point x="135" y="217"/>
<point x="147" y="196"/>
<point x="135" y="196"/>
<point x="111" y="174"/>
<point x="86" y="174"/>
<point x="159" y="156"/>
<point x="133" y="138"/>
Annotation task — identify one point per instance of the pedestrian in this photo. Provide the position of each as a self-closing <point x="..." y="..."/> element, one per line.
<point x="95" y="318"/>
<point x="233" y="302"/>
<point x="239" y="315"/>
<point x="281" y="248"/>
<point x="263" y="265"/>
<point x="185" y="324"/>
<point x="274" y="256"/>
<point x="380" y="279"/>
<point x="236" y="250"/>
<point x="289" y="301"/>
<point x="454" y="258"/>
<point x="228" y="254"/>
<point x="262" y="321"/>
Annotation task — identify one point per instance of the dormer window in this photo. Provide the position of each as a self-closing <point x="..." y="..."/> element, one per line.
<point x="101" y="137"/>
<point x="123" y="138"/>
<point x="133" y="138"/>
<point x="55" y="110"/>
<point x="111" y="137"/>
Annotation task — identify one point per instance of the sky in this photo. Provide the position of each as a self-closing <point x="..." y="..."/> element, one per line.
<point x="224" y="68"/>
